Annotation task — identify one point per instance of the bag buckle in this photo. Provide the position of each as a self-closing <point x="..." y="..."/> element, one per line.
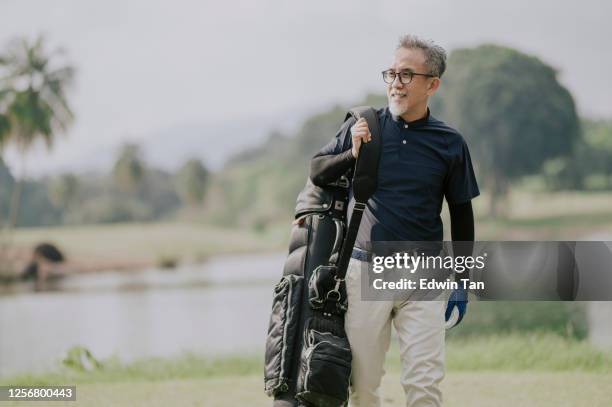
<point x="343" y="182"/>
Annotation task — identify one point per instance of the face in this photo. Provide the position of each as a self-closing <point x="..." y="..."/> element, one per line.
<point x="406" y="98"/>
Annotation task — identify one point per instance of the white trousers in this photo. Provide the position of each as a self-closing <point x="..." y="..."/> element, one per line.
<point x="420" y="328"/>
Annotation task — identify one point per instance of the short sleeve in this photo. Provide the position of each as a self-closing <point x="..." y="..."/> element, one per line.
<point x="341" y="141"/>
<point x="461" y="185"/>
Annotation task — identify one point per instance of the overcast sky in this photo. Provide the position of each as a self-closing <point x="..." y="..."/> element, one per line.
<point x="146" y="65"/>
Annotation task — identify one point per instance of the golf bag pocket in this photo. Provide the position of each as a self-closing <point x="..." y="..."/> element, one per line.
<point x="325" y="369"/>
<point x="283" y="335"/>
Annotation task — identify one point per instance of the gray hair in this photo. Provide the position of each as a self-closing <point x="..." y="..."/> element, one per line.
<point x="435" y="55"/>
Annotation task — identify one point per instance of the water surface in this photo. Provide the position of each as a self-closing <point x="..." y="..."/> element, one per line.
<point x="217" y="308"/>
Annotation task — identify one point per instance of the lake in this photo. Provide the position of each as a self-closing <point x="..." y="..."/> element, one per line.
<point x="220" y="307"/>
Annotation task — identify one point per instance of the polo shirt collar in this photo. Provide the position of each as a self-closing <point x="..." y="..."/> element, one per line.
<point x="415" y="123"/>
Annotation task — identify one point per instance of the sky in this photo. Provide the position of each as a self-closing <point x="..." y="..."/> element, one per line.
<point x="146" y="68"/>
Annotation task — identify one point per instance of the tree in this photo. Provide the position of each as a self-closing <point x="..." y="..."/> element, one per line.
<point x="512" y="111"/>
<point x="62" y="191"/>
<point x="590" y="165"/>
<point x="129" y="168"/>
<point x="34" y="104"/>
<point x="4" y="122"/>
<point x="191" y="181"/>
<point x="6" y="186"/>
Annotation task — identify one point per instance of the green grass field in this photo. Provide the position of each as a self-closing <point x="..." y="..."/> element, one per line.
<point x="460" y="389"/>
<point x="537" y="215"/>
<point x="509" y="370"/>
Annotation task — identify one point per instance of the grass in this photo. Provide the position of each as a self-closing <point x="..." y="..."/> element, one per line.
<point x="185" y="366"/>
<point x="497" y="370"/>
<point x="533" y="352"/>
<point x="460" y="389"/>
<point x="566" y="319"/>
<point x="539" y="215"/>
<point x="512" y="353"/>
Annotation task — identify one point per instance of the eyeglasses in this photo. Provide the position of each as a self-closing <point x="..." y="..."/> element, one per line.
<point x="405" y="76"/>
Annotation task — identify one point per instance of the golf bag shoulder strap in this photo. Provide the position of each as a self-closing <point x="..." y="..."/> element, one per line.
<point x="366" y="168"/>
<point x="365" y="179"/>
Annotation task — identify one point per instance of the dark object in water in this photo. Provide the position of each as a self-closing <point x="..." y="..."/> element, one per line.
<point x="30" y="272"/>
<point x="45" y="251"/>
<point x="49" y="252"/>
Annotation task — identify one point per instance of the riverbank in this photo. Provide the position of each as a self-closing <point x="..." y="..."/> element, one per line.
<point x="527" y="370"/>
<point x="530" y="215"/>
<point x="134" y="246"/>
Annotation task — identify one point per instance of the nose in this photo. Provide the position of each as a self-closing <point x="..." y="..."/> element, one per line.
<point x="397" y="83"/>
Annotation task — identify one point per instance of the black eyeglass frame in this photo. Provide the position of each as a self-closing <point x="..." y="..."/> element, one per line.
<point x="399" y="74"/>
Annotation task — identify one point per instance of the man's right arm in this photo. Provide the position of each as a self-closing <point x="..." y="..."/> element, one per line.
<point x="333" y="160"/>
<point x="337" y="157"/>
<point x="325" y="169"/>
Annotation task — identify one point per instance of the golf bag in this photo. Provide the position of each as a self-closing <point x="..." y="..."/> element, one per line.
<point x="308" y="357"/>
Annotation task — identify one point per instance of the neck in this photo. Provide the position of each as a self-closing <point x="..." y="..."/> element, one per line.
<point x="415" y="114"/>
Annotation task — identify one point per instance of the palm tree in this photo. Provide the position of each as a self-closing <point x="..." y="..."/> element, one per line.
<point x="4" y="130"/>
<point x="4" y="122"/>
<point x="34" y="103"/>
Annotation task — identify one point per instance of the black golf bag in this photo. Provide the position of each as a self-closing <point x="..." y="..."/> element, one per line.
<point x="308" y="357"/>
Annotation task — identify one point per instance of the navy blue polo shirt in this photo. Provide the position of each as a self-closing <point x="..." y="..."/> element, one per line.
<point x="422" y="162"/>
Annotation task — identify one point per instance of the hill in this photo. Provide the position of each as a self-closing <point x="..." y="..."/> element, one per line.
<point x="258" y="187"/>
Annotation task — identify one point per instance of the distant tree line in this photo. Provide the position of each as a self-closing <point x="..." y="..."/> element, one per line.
<point x="131" y="191"/>
<point x="589" y="166"/>
<point x="518" y="120"/>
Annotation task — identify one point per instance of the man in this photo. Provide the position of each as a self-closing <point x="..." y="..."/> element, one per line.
<point x="422" y="162"/>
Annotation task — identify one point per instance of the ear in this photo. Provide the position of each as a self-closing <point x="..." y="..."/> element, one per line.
<point x="433" y="86"/>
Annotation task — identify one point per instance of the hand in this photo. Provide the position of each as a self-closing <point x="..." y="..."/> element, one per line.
<point x="360" y="132"/>
<point x="459" y="299"/>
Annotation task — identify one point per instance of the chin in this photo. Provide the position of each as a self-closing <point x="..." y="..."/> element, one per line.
<point x="397" y="110"/>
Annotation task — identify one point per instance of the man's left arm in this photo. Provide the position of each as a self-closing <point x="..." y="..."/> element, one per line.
<point x="462" y="234"/>
<point x="462" y="230"/>
<point x="460" y="188"/>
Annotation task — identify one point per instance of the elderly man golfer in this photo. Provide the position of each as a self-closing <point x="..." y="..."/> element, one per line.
<point x="423" y="161"/>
